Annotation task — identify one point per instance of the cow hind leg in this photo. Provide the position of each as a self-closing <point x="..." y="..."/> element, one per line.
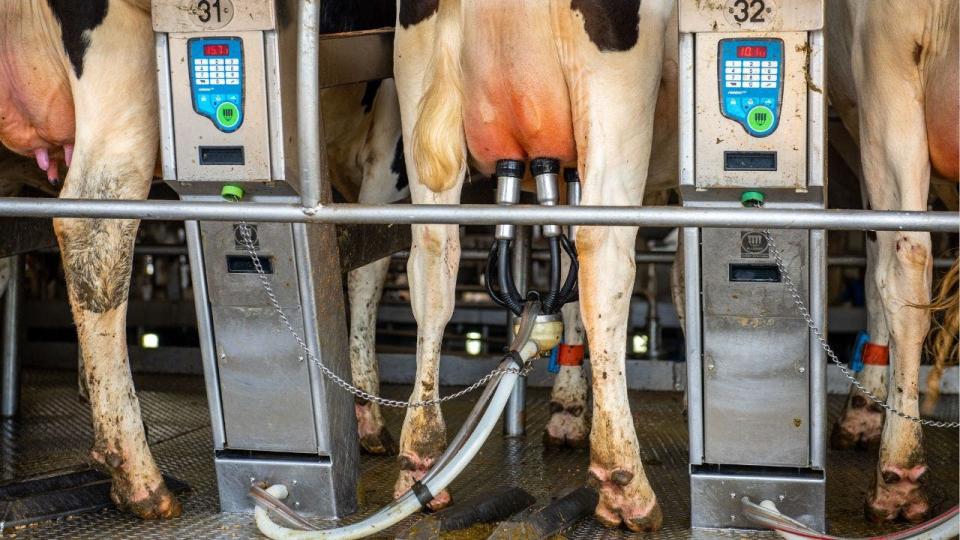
<point x="384" y="181"/>
<point x="896" y="167"/>
<point x="613" y="104"/>
<point x="97" y="261"/>
<point x="904" y="273"/>
<point x="431" y="114"/>
<point x="113" y="159"/>
<point x="861" y="420"/>
<point x="365" y="285"/>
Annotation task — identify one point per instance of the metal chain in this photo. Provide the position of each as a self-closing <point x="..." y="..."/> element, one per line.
<point x="801" y="306"/>
<point x="247" y="237"/>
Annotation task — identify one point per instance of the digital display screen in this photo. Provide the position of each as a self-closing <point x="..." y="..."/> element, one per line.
<point x="751" y="51"/>
<point x="219" y="50"/>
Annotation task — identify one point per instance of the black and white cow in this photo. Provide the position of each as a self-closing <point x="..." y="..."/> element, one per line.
<point x="64" y="103"/>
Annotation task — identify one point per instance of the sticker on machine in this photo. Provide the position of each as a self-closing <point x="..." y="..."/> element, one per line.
<point x="753" y="245"/>
<point x="752" y="14"/>
<point x="238" y="241"/>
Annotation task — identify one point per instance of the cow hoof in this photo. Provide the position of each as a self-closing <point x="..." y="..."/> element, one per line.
<point x="158" y="504"/>
<point x="859" y="425"/>
<point x="898" y="493"/>
<point x="374" y="437"/>
<point x="412" y="469"/>
<point x="378" y="444"/>
<point x="625" y="499"/>
<point x="569" y="427"/>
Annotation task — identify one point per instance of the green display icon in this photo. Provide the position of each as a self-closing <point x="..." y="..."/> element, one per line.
<point x="760" y="119"/>
<point x="228" y="114"/>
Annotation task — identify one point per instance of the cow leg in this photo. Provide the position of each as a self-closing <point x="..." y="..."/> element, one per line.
<point x="113" y="159"/>
<point x="861" y="420"/>
<point x="365" y="285"/>
<point x="430" y="54"/>
<point x="613" y="97"/>
<point x="897" y="175"/>
<point x="432" y="272"/>
<point x="569" y="423"/>
<point x="384" y="181"/>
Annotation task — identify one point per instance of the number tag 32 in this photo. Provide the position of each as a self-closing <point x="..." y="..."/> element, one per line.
<point x="750" y="13"/>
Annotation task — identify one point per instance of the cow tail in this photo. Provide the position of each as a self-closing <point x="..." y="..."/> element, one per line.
<point x="438" y="139"/>
<point x="942" y="341"/>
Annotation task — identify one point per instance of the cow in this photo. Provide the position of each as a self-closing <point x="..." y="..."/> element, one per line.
<point x="64" y="104"/>
<point x="893" y="79"/>
<point x="576" y="81"/>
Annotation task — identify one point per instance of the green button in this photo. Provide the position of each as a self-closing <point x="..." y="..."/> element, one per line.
<point x="760" y="119"/>
<point x="228" y="114"/>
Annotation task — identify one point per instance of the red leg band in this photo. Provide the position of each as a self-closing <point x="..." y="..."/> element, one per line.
<point x="570" y="355"/>
<point x="876" y="355"/>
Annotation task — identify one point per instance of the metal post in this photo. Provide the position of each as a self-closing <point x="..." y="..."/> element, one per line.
<point x="10" y="393"/>
<point x="311" y="151"/>
<point x="514" y="415"/>
<point x="653" y="315"/>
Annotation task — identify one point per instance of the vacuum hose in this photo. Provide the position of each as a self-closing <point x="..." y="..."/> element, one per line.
<point x="766" y="514"/>
<point x="458" y="455"/>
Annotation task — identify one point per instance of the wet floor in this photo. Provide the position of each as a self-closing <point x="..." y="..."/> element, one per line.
<point x="53" y="432"/>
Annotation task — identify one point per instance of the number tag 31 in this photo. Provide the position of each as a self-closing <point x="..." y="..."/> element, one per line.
<point x="750" y="13"/>
<point x="211" y="14"/>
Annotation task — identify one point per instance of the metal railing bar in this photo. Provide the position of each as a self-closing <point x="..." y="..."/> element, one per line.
<point x="649" y="216"/>
<point x="667" y="257"/>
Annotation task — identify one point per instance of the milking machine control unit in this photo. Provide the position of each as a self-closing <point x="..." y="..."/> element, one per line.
<point x="216" y="80"/>
<point x="752" y="114"/>
<point x="227" y="85"/>
<point x="750" y="83"/>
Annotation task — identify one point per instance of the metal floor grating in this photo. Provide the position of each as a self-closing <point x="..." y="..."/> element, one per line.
<point x="53" y="432"/>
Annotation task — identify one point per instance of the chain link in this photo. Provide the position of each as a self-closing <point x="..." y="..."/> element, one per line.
<point x="802" y="307"/>
<point x="247" y="236"/>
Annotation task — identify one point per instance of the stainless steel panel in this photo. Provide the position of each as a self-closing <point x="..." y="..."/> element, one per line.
<point x="694" y="341"/>
<point x="818" y="359"/>
<point x="755" y="386"/>
<point x="264" y="381"/>
<point x="715" y="498"/>
<point x="208" y="353"/>
<point x="321" y="287"/>
<point x="309" y="482"/>
<point x="275" y="242"/>
<point x="721" y="297"/>
<point x="755" y="352"/>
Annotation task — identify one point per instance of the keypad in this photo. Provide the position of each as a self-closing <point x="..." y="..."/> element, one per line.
<point x="215" y="66"/>
<point x="751" y="73"/>
<point x="216" y="71"/>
